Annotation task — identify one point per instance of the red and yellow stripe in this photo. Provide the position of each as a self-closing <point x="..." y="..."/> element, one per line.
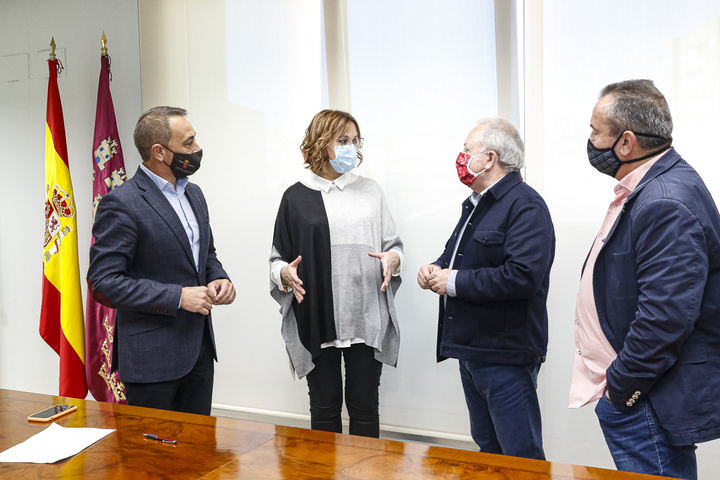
<point x="62" y="323"/>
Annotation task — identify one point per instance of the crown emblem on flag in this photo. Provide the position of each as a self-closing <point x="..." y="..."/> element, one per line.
<point x="62" y="202"/>
<point x="59" y="205"/>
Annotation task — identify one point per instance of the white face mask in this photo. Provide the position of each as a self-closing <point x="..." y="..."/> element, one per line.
<point x="345" y="158"/>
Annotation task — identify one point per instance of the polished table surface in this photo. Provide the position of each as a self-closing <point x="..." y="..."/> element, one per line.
<point x="222" y="448"/>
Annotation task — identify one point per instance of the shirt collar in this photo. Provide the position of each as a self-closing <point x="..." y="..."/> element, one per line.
<point x="164" y="184"/>
<point x="632" y="179"/>
<point x="325" y="185"/>
<point x="475" y="197"/>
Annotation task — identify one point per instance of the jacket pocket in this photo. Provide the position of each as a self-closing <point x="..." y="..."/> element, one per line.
<point x="140" y="323"/>
<point x="621" y="268"/>
<point x="489" y="246"/>
<point x="489" y="237"/>
<point x="682" y="398"/>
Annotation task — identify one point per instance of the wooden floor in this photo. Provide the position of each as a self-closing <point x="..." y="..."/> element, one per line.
<point x="224" y="448"/>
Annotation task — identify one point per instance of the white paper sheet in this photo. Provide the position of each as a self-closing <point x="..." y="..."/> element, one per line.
<point x="53" y="444"/>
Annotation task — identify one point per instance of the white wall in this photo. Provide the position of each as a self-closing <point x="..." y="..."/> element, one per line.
<point x="587" y="45"/>
<point x="26" y="27"/>
<point x="251" y="157"/>
<point x="184" y="63"/>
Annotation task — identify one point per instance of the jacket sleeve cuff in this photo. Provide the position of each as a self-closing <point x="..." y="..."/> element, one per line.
<point x="624" y="403"/>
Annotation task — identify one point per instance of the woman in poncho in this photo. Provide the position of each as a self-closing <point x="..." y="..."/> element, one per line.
<point x="334" y="265"/>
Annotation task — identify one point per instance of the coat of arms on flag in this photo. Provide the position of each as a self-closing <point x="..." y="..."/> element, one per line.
<point x="108" y="173"/>
<point x="58" y="205"/>
<point x="61" y="313"/>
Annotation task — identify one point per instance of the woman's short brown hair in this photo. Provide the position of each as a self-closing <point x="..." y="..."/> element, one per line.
<point x="324" y="128"/>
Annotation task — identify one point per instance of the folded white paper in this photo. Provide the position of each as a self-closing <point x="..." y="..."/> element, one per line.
<point x="53" y="444"/>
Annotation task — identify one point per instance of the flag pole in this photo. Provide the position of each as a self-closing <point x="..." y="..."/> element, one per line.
<point x="103" y="41"/>
<point x="52" y="48"/>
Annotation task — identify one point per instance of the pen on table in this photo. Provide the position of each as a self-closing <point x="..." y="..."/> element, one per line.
<point x="161" y="439"/>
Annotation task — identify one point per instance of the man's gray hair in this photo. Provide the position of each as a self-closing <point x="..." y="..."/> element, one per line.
<point x="638" y="106"/>
<point x="501" y="136"/>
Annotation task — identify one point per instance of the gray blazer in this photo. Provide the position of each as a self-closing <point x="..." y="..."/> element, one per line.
<point x="139" y="263"/>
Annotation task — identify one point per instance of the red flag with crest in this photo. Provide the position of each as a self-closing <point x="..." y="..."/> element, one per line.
<point x="108" y="173"/>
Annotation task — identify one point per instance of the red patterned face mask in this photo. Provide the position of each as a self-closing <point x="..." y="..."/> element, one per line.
<point x="462" y="163"/>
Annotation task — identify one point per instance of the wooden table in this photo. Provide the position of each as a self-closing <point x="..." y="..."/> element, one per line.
<point x="221" y="448"/>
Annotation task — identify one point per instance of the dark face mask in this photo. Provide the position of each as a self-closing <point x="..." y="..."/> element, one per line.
<point x="184" y="164"/>
<point x="606" y="161"/>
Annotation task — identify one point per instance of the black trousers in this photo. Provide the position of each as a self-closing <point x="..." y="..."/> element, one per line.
<point x="191" y="393"/>
<point x="362" y="380"/>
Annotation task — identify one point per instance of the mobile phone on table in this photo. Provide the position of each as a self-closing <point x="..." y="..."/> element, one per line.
<point x="50" y="414"/>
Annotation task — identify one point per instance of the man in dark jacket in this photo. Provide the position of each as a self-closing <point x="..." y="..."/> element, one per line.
<point x="154" y="261"/>
<point x="493" y="280"/>
<point x="648" y="311"/>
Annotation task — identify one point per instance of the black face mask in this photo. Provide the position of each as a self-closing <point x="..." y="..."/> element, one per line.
<point x="184" y="164"/>
<point x="606" y="161"/>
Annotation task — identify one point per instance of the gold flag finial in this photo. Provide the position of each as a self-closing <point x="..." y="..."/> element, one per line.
<point x="103" y="50"/>
<point x="52" y="49"/>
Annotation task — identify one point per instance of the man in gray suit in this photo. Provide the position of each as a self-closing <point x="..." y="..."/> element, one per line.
<point x="154" y="261"/>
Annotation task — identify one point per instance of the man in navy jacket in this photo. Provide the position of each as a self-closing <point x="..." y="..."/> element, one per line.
<point x="648" y="310"/>
<point x="154" y="261"/>
<point x="493" y="280"/>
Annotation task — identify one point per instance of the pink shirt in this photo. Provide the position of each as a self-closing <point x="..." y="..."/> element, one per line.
<point x="593" y="352"/>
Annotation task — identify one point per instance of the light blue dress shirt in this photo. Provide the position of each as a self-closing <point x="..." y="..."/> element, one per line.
<point x="177" y="198"/>
<point x="475" y="199"/>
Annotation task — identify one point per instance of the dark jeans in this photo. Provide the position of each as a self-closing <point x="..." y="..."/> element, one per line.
<point x="191" y="393"/>
<point x="637" y="442"/>
<point x="362" y="380"/>
<point x="504" y="409"/>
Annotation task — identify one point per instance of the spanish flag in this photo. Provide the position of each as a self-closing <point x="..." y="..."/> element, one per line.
<point x="62" y="324"/>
